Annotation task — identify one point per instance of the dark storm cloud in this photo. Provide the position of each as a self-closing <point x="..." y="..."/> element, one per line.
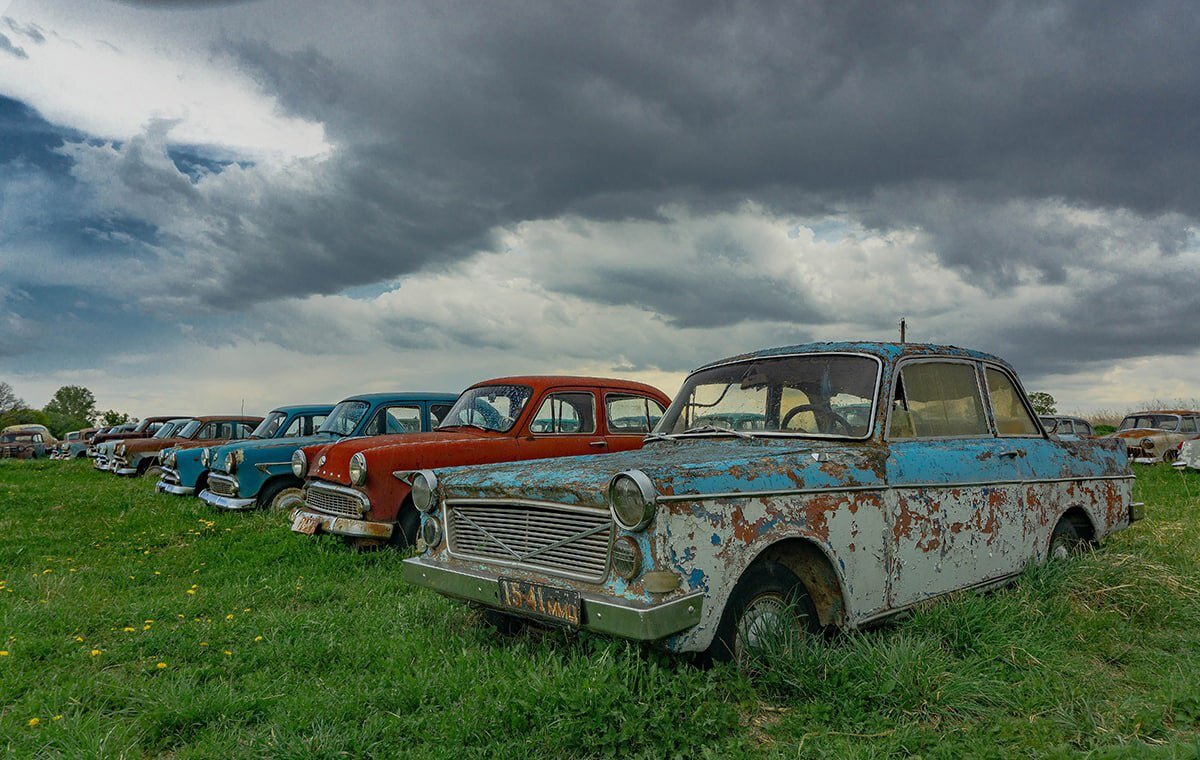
<point x="6" y="46"/>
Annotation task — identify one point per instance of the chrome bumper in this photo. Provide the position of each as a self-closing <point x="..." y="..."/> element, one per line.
<point x="164" y="487"/>
<point x="126" y="471"/>
<point x="616" y="617"/>
<point x="226" y="502"/>
<point x="1145" y="460"/>
<point x="343" y="526"/>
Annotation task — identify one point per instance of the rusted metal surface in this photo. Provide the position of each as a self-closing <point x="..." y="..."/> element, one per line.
<point x="136" y="453"/>
<point x="870" y="527"/>
<point x="1147" y="445"/>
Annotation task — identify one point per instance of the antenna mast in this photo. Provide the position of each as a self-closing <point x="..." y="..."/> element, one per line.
<point x="903" y="329"/>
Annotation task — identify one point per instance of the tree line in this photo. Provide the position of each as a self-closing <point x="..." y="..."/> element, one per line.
<point x="72" y="407"/>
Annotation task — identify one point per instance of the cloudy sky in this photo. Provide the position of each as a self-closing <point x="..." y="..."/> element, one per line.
<point x="205" y="203"/>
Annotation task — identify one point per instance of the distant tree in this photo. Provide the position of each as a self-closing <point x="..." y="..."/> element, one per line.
<point x="1043" y="403"/>
<point x="113" y="417"/>
<point x="25" y="417"/>
<point x="9" y="400"/>
<point x="73" y="401"/>
<point x="61" y="424"/>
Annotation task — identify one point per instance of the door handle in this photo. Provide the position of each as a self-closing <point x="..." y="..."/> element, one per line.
<point x="1011" y="454"/>
<point x="598" y="444"/>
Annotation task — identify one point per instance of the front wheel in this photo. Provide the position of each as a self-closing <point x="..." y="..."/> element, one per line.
<point x="283" y="497"/>
<point x="154" y="472"/>
<point x="767" y="599"/>
<point x="408" y="525"/>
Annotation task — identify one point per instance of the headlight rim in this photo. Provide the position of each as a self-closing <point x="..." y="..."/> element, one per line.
<point x="206" y="456"/>
<point x="429" y="478"/>
<point x="638" y="560"/>
<point x="361" y="477"/>
<point x="431" y="525"/>
<point x="299" y="463"/>
<point x="649" y="499"/>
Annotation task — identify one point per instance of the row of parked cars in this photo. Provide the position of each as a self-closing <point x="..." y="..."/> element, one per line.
<point x="824" y="485"/>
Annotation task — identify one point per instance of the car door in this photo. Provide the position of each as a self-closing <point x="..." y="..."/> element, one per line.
<point x="628" y="418"/>
<point x="955" y="515"/>
<point x="564" y="423"/>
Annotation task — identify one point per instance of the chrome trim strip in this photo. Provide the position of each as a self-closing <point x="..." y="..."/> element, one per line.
<point x="264" y="466"/>
<point x="883" y="487"/>
<point x="600" y="613"/>
<point x="163" y="487"/>
<point x="225" y="502"/>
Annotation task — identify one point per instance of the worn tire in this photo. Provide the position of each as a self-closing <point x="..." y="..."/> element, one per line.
<point x="280" y="497"/>
<point x="1065" y="541"/>
<point x="408" y="526"/>
<point x="767" y="589"/>
<point x="154" y="472"/>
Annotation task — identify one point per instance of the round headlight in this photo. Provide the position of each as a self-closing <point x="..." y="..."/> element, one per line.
<point x="431" y="532"/>
<point x="1147" y="443"/>
<point x="299" y="463"/>
<point x="169" y="458"/>
<point x="120" y="449"/>
<point x="424" y="490"/>
<point x="626" y="558"/>
<point x="358" y="469"/>
<point x="631" y="497"/>
<point x="230" y="463"/>
<point x="206" y="457"/>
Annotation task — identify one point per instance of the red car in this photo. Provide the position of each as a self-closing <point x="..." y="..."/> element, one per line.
<point x="136" y="458"/>
<point x="359" y="488"/>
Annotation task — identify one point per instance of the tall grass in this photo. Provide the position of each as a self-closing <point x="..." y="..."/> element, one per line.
<point x="290" y="648"/>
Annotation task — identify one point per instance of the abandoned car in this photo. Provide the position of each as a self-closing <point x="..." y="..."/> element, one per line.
<point x="259" y="474"/>
<point x="26" y="442"/>
<point x="186" y="468"/>
<point x="1066" y="428"/>
<point x="1154" y="436"/>
<point x="74" y="445"/>
<point x="103" y="445"/>
<point x="359" y="489"/>
<point x="809" y="517"/>
<point x="140" y="457"/>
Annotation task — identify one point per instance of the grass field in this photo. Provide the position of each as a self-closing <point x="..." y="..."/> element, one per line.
<point x="134" y="624"/>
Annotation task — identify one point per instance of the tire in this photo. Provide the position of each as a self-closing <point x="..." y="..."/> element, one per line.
<point x="1170" y="455"/>
<point x="408" y="525"/>
<point x="765" y="591"/>
<point x="503" y="623"/>
<point x="153" y="472"/>
<point x="1065" y="541"/>
<point x="283" y="496"/>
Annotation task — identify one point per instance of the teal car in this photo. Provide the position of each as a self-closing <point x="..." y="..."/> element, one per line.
<point x="186" y="468"/>
<point x="258" y="473"/>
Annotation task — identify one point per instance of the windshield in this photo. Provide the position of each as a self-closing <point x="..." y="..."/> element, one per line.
<point x="1157" y="421"/>
<point x="269" y="427"/>
<point x="189" y="429"/>
<point x="167" y="429"/>
<point x="491" y="407"/>
<point x="344" y="418"/>
<point x="817" y="395"/>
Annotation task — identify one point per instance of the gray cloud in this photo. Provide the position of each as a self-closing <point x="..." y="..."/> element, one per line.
<point x="7" y="46"/>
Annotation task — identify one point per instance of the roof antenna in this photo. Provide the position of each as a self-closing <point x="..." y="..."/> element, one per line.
<point x="244" y="400"/>
<point x="903" y="329"/>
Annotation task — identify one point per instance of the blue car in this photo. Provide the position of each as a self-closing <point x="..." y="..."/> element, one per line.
<point x="249" y="474"/>
<point x="186" y="469"/>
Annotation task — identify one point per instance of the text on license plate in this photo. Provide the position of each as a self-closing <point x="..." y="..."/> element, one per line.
<point x="306" y="525"/>
<point x="556" y="603"/>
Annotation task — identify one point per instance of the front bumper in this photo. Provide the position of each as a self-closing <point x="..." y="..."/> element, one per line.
<point x="616" y="617"/>
<point x="169" y="483"/>
<point x="342" y="526"/>
<point x="1137" y="511"/>
<point x="226" y="502"/>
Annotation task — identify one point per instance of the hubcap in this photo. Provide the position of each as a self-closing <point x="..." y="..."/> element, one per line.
<point x="288" y="499"/>
<point x="765" y="613"/>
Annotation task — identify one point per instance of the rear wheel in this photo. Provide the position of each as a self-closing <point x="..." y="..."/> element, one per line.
<point x="1067" y="540"/>
<point x="768" y="598"/>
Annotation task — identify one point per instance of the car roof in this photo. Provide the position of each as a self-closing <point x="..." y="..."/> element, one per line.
<point x="294" y="408"/>
<point x="407" y="396"/>
<point x="541" y="382"/>
<point x="884" y="350"/>
<point x="223" y="417"/>
<point x="1162" y="411"/>
<point x="166" y="418"/>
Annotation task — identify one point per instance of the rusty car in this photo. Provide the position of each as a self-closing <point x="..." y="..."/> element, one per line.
<point x="26" y="442"/>
<point x="1154" y="435"/>
<point x="812" y="519"/>
<point x="1065" y="427"/>
<point x="103" y="444"/>
<point x="259" y="474"/>
<point x="141" y="457"/>
<point x="74" y="445"/>
<point x="355" y="488"/>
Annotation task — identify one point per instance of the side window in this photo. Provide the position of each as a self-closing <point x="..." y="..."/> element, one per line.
<point x="437" y="413"/>
<point x="313" y="423"/>
<point x="244" y="429"/>
<point x="208" y="432"/>
<point x="1188" y="425"/>
<point x="1012" y="418"/>
<point x="565" y="413"/>
<point x="392" y="420"/>
<point x="294" y="429"/>
<point x="936" y="400"/>
<point x="1085" y="428"/>
<point x="631" y="415"/>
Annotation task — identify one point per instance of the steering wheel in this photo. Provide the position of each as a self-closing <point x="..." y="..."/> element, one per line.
<point x="834" y="419"/>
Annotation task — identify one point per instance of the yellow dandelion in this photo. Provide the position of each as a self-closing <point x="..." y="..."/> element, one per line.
<point x="247" y="609"/>
<point x="161" y="665"/>
<point x="145" y="628"/>
<point x="128" y="629"/>
<point x="191" y="591"/>
<point x="229" y="616"/>
<point x="34" y="721"/>
<point x="95" y="653"/>
<point x="203" y="643"/>
<point x="195" y="585"/>
<point x="57" y="717"/>
<point x="148" y="621"/>
<point x="3" y="653"/>
<point x="69" y="570"/>
<point x="79" y="639"/>
<point x="258" y="638"/>
<point x="228" y="653"/>
<point x="48" y="570"/>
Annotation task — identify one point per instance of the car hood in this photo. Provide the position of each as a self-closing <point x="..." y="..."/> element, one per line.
<point x="682" y="467"/>
<point x="262" y="450"/>
<point x="412" y="449"/>
<point x="1138" y="433"/>
<point x="146" y="445"/>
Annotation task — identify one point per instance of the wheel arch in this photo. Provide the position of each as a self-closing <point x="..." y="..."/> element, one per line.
<point x="813" y="565"/>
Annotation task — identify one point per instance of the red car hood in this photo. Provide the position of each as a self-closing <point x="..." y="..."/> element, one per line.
<point x="146" y="445"/>
<point x="1139" y="432"/>
<point x="336" y="467"/>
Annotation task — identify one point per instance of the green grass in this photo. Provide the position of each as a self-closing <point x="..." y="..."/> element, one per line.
<point x="295" y="648"/>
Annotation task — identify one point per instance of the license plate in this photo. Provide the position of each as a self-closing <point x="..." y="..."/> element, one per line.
<point x="547" y="601"/>
<point x="306" y="525"/>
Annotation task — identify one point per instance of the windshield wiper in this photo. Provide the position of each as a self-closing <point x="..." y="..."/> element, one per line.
<point x="466" y="424"/>
<point x="717" y="429"/>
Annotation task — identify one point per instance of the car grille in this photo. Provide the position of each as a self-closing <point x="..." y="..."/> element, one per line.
<point x="222" y="485"/>
<point x="562" y="540"/>
<point x="334" y="501"/>
<point x="169" y="477"/>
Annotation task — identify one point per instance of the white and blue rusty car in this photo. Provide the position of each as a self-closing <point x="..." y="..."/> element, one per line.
<point x="861" y="478"/>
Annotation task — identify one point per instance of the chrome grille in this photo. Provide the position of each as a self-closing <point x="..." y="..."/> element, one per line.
<point x="170" y="477"/>
<point x="564" y="540"/>
<point x="334" y="501"/>
<point x="222" y="485"/>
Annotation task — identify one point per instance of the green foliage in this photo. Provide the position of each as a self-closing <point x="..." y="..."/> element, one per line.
<point x="113" y="417"/>
<point x="1097" y="656"/>
<point x="25" y="417"/>
<point x="1104" y="429"/>
<point x="1043" y="403"/>
<point x="72" y="401"/>
<point x="9" y="399"/>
